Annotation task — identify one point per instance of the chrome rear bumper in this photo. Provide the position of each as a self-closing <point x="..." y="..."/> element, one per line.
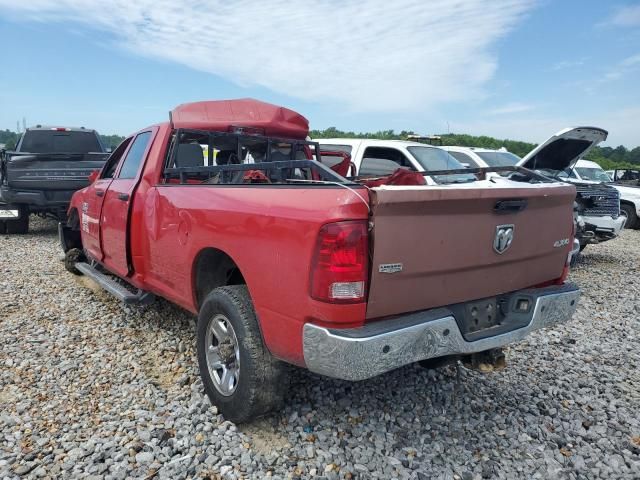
<point x="360" y="353"/>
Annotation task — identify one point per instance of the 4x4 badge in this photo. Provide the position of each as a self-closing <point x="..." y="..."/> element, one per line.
<point x="503" y="238"/>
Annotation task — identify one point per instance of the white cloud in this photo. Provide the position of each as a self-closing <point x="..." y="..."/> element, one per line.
<point x="363" y="54"/>
<point x="568" y="64"/>
<point x="621" y="69"/>
<point x="627" y="16"/>
<point x="511" y="108"/>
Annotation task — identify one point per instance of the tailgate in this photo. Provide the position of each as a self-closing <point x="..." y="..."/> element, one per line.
<point x="55" y="172"/>
<point x="434" y="246"/>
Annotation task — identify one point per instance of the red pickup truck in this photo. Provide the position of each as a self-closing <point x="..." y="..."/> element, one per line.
<point x="227" y="211"/>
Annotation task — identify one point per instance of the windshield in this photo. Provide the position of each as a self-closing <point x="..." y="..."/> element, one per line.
<point x="432" y="158"/>
<point x="57" y="141"/>
<point x="593" y="174"/>
<point x="499" y="159"/>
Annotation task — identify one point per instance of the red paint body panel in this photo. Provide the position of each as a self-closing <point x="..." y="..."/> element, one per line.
<point x="90" y="210"/>
<point x="113" y="226"/>
<point x="269" y="231"/>
<point x="270" y="241"/>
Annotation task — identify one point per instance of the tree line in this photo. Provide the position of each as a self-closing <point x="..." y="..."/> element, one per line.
<point x="607" y="157"/>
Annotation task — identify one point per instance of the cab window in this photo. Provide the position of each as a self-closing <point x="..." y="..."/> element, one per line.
<point x="114" y="159"/>
<point x="134" y="156"/>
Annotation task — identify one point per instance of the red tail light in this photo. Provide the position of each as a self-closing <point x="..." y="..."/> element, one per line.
<point x="340" y="265"/>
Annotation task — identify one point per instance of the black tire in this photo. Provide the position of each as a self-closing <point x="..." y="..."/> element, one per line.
<point x="262" y="380"/>
<point x="575" y="259"/>
<point x="72" y="257"/>
<point x="21" y="225"/>
<point x="632" y="216"/>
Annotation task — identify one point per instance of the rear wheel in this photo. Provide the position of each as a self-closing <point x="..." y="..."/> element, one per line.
<point x="632" y="216"/>
<point x="239" y="374"/>
<point x="21" y="225"/>
<point x="72" y="257"/>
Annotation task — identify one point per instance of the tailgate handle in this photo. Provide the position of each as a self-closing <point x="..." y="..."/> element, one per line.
<point x="123" y="196"/>
<point x="510" y="206"/>
<point x="99" y="193"/>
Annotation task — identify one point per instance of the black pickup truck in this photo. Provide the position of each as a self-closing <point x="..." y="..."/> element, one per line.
<point x="48" y="165"/>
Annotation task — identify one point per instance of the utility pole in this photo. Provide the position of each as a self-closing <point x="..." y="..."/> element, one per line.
<point x="24" y="124"/>
<point x="17" y="126"/>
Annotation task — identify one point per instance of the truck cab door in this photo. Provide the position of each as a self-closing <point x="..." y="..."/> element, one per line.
<point x="114" y="220"/>
<point x="94" y="198"/>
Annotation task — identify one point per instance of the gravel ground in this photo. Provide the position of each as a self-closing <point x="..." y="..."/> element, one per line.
<point x="90" y="389"/>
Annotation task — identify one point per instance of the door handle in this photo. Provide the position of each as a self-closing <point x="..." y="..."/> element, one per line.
<point x="123" y="196"/>
<point x="99" y="193"/>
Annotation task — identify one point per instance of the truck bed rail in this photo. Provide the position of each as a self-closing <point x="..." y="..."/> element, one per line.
<point x="280" y="170"/>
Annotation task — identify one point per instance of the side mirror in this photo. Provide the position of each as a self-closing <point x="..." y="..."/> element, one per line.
<point x="93" y="176"/>
<point x="108" y="149"/>
<point x="466" y="165"/>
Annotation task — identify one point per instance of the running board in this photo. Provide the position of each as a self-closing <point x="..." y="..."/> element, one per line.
<point x="114" y="288"/>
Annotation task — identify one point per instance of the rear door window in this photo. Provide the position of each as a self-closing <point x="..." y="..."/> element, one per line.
<point x="135" y="156"/>
<point x="114" y="159"/>
<point x="383" y="161"/>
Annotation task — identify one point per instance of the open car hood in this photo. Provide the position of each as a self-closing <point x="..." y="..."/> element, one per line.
<point x="563" y="149"/>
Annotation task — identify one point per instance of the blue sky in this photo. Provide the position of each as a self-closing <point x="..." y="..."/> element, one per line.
<point x="519" y="69"/>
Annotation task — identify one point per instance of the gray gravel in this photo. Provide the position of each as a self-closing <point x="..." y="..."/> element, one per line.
<point x="90" y="389"/>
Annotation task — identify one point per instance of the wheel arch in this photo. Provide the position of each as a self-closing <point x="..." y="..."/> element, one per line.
<point x="630" y="203"/>
<point x="213" y="268"/>
<point x="634" y="221"/>
<point x="70" y="236"/>
<point x="73" y="219"/>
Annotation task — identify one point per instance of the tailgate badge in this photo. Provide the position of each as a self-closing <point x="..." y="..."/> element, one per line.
<point x="390" y="268"/>
<point x="503" y="238"/>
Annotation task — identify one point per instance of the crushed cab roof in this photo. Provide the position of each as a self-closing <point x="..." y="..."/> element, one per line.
<point x="220" y="115"/>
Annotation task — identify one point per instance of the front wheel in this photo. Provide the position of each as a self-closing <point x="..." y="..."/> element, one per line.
<point x="632" y="216"/>
<point x="72" y="257"/>
<point x="239" y="374"/>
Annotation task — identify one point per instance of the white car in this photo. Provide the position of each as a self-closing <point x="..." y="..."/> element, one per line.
<point x="591" y="172"/>
<point x="383" y="157"/>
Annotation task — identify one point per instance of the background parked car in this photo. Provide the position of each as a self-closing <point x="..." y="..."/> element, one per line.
<point x="40" y="176"/>
<point x="590" y="172"/>
<point x="373" y="158"/>
<point x="625" y="176"/>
